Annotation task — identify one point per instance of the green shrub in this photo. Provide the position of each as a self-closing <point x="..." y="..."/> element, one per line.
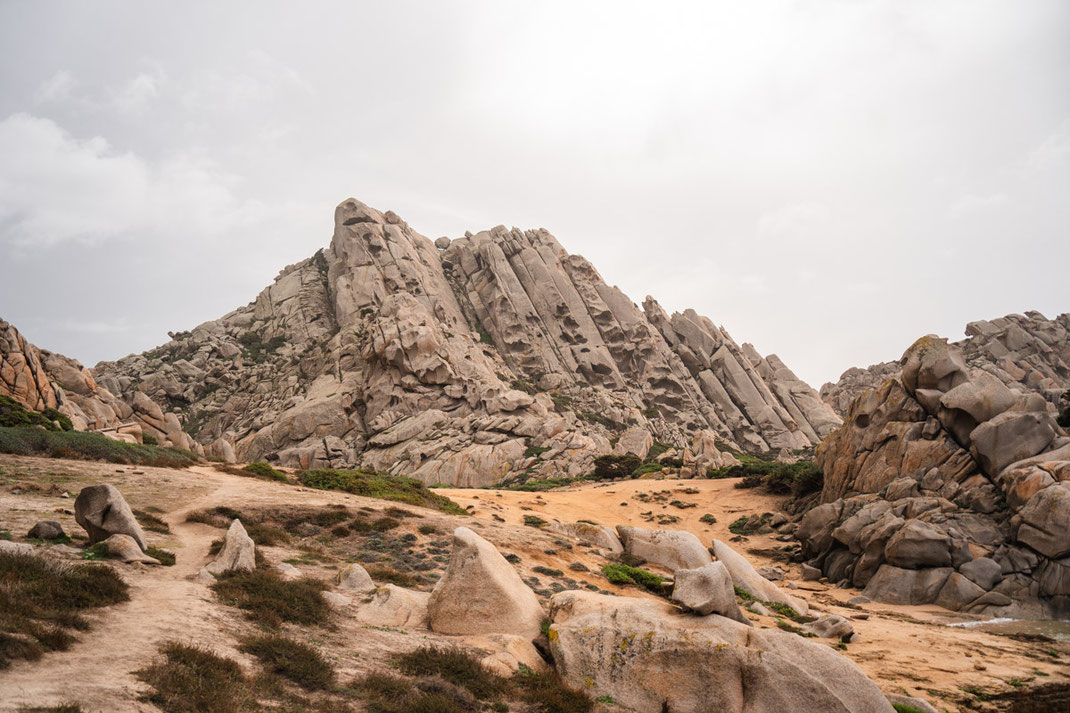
<point x="647" y="468"/>
<point x="291" y="659"/>
<point x="372" y="484"/>
<point x="799" y="479"/>
<point x="708" y="519"/>
<point x="149" y="440"/>
<point x="190" y="679"/>
<point x="534" y="521"/>
<point x="268" y="598"/>
<point x="263" y="470"/>
<point x="534" y="451"/>
<point x="13" y="414"/>
<point x="904" y="708"/>
<point x="613" y="466"/>
<point x="40" y="600"/>
<point x="626" y="574"/>
<point x="454" y="665"/>
<point x="80" y="445"/>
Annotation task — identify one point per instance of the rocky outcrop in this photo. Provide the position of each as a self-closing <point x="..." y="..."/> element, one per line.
<point x="481" y="593"/>
<point x="463" y="361"/>
<point x="22" y="375"/>
<point x="950" y="483"/>
<point x="649" y="657"/>
<point x="102" y="511"/>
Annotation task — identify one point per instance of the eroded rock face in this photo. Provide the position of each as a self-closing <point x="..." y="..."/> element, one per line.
<point x="949" y="483"/>
<point x="102" y="511"/>
<point x="481" y="593"/>
<point x="451" y="361"/>
<point x="649" y="657"/>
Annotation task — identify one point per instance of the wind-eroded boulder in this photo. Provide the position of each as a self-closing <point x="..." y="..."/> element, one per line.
<point x="103" y="512"/>
<point x="391" y="605"/>
<point x="238" y="553"/>
<point x="672" y="549"/>
<point x="481" y="593"/>
<point x="650" y="658"/>
<point x="707" y="590"/>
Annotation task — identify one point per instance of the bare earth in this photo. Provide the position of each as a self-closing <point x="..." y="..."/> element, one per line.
<point x="905" y="649"/>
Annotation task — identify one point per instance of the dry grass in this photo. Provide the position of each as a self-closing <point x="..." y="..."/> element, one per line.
<point x="269" y="599"/>
<point x="292" y="660"/>
<point x="189" y="679"/>
<point x="41" y="601"/>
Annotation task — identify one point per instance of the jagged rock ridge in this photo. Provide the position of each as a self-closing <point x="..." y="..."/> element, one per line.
<point x="461" y="362"/>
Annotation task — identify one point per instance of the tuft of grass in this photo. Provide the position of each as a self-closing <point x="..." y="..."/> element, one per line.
<point x="626" y="574"/>
<point x="372" y="484"/>
<point x="167" y="558"/>
<point x="534" y="521"/>
<point x="291" y="659"/>
<point x="152" y="522"/>
<point x="263" y="470"/>
<point x="386" y="573"/>
<point x="547" y="693"/>
<point x="270" y="599"/>
<point x="190" y="679"/>
<point x="906" y="708"/>
<point x="81" y="445"/>
<point x="455" y="666"/>
<point x="708" y="519"/>
<point x="41" y="600"/>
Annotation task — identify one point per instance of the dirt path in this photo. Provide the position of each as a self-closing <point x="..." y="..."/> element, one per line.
<point x="165" y="603"/>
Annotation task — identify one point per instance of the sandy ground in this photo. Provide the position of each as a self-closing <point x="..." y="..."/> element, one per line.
<point x="905" y="649"/>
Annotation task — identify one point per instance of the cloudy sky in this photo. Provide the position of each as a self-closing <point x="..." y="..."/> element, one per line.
<point x="828" y="180"/>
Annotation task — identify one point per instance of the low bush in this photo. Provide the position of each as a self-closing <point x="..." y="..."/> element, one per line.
<point x="626" y="574"/>
<point x="372" y="484"/>
<point x="535" y="521"/>
<point x="41" y="600"/>
<point x="151" y="522"/>
<point x="81" y="445"/>
<point x="270" y="599"/>
<point x="291" y="659"/>
<point x="798" y="479"/>
<point x="263" y="470"/>
<point x="189" y="679"/>
<point x="547" y="693"/>
<point x="611" y="466"/>
<point x="260" y="532"/>
<point x="455" y="666"/>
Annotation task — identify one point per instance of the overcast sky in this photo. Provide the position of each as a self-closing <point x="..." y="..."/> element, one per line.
<point x="828" y="180"/>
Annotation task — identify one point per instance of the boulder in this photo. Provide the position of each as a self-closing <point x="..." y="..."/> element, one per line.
<point x="1010" y="437"/>
<point x="636" y="441"/>
<point x="597" y="535"/>
<point x="919" y="544"/>
<point x="238" y="553"/>
<point x="355" y="578"/>
<point x="47" y="530"/>
<point x="958" y="592"/>
<point x="810" y="574"/>
<point x="830" y="626"/>
<point x="508" y="652"/>
<point x="746" y="578"/>
<point x="337" y="601"/>
<point x="707" y="590"/>
<point x="390" y="605"/>
<point x="481" y="593"/>
<point x="103" y="512"/>
<point x="895" y="585"/>
<point x="983" y="571"/>
<point x="773" y="574"/>
<point x="1045" y="521"/>
<point x="16" y="548"/>
<point x="648" y="657"/>
<point x="672" y="549"/>
<point x="287" y="571"/>
<point x="125" y="548"/>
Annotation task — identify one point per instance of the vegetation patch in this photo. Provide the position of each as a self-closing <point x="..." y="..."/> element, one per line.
<point x="151" y="522"/>
<point x="167" y="558"/>
<point x="82" y="445"/>
<point x="261" y="532"/>
<point x="42" y="600"/>
<point x="547" y="693"/>
<point x="626" y="574"/>
<point x="189" y="679"/>
<point x="372" y="484"/>
<point x="292" y="660"/>
<point x="455" y="666"/>
<point x="270" y="599"/>
<point x="798" y="479"/>
<point x="13" y="414"/>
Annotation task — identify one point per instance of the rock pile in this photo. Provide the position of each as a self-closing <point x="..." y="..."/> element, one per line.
<point x="945" y="485"/>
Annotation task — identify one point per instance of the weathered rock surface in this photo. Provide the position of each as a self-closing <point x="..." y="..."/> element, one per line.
<point x="46" y="530"/>
<point x="238" y="553"/>
<point x="450" y="361"/>
<point x="650" y="658"/>
<point x="707" y="590"/>
<point x="481" y="593"/>
<point x="391" y="605"/>
<point x="950" y="482"/>
<point x="126" y="548"/>
<point x="103" y="512"/>
<point x="747" y="578"/>
<point x="354" y="578"/>
<point x="830" y="626"/>
<point x="598" y="535"/>
<point x="672" y="549"/>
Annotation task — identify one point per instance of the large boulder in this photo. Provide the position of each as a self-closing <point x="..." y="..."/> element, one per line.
<point x="47" y="530"/>
<point x="672" y="549"/>
<point x="1046" y="521"/>
<point x="238" y="553"/>
<point x="103" y="512"/>
<point x="1010" y="437"/>
<point x="598" y="535"/>
<point x="895" y="585"/>
<point x="958" y="592"/>
<point x="747" y="578"/>
<point x="707" y="590"/>
<point x="919" y="544"/>
<point x="391" y="605"/>
<point x="649" y="657"/>
<point x="481" y="593"/>
<point x="983" y="571"/>
<point x="636" y="441"/>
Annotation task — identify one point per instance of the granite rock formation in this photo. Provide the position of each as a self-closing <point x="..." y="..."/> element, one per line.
<point x="461" y="361"/>
<point x="950" y="483"/>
